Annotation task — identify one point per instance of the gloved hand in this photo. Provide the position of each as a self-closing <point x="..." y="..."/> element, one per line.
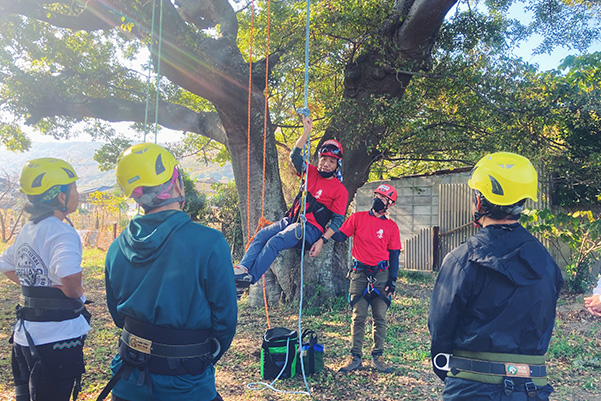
<point x="390" y="286"/>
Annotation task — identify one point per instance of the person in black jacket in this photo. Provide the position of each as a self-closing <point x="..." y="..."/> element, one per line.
<point x="493" y="305"/>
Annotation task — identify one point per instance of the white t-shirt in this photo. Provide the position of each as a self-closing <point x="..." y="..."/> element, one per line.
<point x="41" y="255"/>
<point x="597" y="290"/>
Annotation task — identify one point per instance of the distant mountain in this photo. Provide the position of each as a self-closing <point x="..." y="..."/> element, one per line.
<point x="80" y="155"/>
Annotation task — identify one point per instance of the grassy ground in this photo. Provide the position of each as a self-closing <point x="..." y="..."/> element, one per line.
<point x="574" y="355"/>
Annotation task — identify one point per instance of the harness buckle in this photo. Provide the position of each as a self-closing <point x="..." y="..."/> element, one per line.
<point x="530" y="389"/>
<point x="441" y="361"/>
<point x="509" y="387"/>
<point x="140" y="344"/>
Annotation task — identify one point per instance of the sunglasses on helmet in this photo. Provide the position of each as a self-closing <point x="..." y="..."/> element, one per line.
<point x="333" y="149"/>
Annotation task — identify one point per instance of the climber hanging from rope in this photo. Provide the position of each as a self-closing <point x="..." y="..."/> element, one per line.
<point x="326" y="200"/>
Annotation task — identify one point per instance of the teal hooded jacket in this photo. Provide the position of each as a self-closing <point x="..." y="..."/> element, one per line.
<point x="166" y="270"/>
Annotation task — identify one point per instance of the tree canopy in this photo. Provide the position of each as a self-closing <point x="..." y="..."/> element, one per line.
<point x="405" y="85"/>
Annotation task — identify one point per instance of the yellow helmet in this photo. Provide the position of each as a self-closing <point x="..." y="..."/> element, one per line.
<point x="504" y="178"/>
<point x="39" y="175"/>
<point x="144" y="165"/>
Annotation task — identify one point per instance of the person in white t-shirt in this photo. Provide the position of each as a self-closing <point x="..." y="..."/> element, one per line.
<point x="593" y="303"/>
<point x="45" y="260"/>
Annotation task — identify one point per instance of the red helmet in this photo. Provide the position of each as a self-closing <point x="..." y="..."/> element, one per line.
<point x="386" y="190"/>
<point x="331" y="148"/>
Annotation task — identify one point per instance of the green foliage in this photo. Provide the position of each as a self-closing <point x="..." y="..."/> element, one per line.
<point x="13" y="138"/>
<point x="580" y="231"/>
<point x="224" y="215"/>
<point x="111" y="203"/>
<point x="196" y="202"/>
<point x="108" y="154"/>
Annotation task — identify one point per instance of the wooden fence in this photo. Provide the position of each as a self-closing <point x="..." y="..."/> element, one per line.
<point x="425" y="251"/>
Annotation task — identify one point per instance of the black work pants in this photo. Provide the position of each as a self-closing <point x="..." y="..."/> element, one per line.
<point x="50" y="377"/>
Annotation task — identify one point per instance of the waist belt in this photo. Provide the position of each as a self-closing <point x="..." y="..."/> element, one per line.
<point x="165" y="342"/>
<point x="488" y="367"/>
<point x="146" y="346"/>
<point x="497" y="368"/>
<point x="43" y="304"/>
<point x="359" y="266"/>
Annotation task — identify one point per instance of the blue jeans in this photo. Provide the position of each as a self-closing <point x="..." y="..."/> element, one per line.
<point x="268" y="242"/>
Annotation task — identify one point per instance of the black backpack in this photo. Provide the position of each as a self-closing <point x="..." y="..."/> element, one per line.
<point x="278" y="353"/>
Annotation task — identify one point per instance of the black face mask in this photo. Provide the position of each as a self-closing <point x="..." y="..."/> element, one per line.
<point x="323" y="174"/>
<point x="378" y="205"/>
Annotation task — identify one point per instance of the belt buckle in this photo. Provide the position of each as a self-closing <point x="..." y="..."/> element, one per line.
<point x="530" y="389"/>
<point x="517" y="370"/>
<point x="509" y="387"/>
<point x="139" y="344"/>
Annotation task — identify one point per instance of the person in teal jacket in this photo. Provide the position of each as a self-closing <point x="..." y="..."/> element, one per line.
<point x="170" y="287"/>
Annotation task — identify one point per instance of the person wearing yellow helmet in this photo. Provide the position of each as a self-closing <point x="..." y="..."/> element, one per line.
<point x="502" y="182"/>
<point x="169" y="283"/>
<point x="493" y="305"/>
<point x="147" y="173"/>
<point x="45" y="260"/>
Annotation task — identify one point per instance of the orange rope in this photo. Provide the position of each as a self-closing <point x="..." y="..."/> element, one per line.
<point x="265" y="141"/>
<point x="262" y="220"/>
<point x="250" y="75"/>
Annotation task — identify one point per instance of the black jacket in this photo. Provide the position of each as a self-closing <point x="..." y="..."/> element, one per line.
<point x="497" y="292"/>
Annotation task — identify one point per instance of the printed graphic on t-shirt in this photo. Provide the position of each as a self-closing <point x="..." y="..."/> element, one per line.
<point x="380" y="233"/>
<point x="31" y="269"/>
<point x="318" y="194"/>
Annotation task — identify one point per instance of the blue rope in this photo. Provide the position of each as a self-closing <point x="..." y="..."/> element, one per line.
<point x="158" y="84"/>
<point x="305" y="110"/>
<point x="149" y="68"/>
<point x="306" y="154"/>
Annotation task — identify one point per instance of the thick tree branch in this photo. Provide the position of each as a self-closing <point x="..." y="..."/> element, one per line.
<point x="170" y="116"/>
<point x="416" y="35"/>
<point x="208" y="13"/>
<point x="93" y="15"/>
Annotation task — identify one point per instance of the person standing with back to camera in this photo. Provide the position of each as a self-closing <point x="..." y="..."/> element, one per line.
<point x="169" y="286"/>
<point x="45" y="260"/>
<point x="493" y="304"/>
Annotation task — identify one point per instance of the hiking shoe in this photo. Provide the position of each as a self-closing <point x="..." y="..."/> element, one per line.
<point x="380" y="365"/>
<point x="354" y="363"/>
<point x="242" y="277"/>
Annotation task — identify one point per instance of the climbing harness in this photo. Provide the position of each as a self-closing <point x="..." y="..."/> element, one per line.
<point x="370" y="292"/>
<point x="161" y="350"/>
<point x="48" y="304"/>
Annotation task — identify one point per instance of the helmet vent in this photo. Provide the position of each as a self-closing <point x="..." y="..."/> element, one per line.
<point x="37" y="181"/>
<point x="506" y="166"/>
<point x="496" y="187"/>
<point x="159" y="167"/>
<point x="69" y="173"/>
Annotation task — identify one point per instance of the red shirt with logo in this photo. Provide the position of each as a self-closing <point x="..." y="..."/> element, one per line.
<point x="329" y="192"/>
<point x="373" y="237"/>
